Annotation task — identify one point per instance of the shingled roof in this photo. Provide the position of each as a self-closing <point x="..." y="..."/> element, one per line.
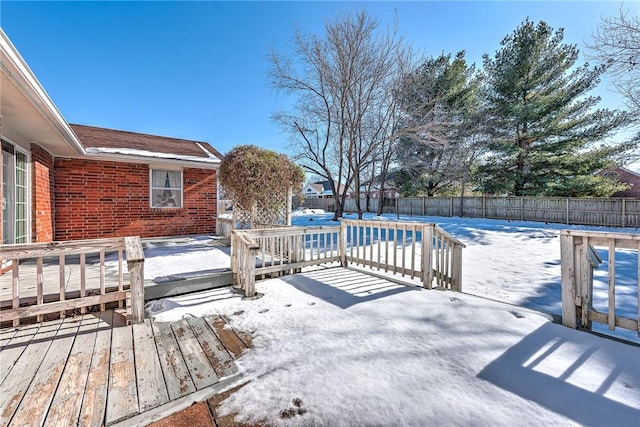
<point x="95" y="137"/>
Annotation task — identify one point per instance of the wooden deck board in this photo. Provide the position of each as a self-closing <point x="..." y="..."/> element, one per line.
<point x="93" y="370"/>
<point x="65" y="408"/>
<point x="122" y="397"/>
<point x="228" y="338"/>
<point x="176" y="374"/>
<point x="152" y="390"/>
<point x="37" y="399"/>
<point x="197" y="362"/>
<point x="242" y="336"/>
<point x="13" y="349"/>
<point x="217" y="354"/>
<point x="94" y="400"/>
<point x="19" y="378"/>
<point x="5" y="336"/>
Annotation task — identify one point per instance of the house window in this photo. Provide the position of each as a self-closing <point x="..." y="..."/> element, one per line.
<point x="611" y="175"/>
<point x="15" y="194"/>
<point x="166" y="188"/>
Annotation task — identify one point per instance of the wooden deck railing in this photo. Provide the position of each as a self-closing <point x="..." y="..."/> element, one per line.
<point x="396" y="247"/>
<point x="41" y="282"/>
<point x="283" y="249"/>
<point x="579" y="258"/>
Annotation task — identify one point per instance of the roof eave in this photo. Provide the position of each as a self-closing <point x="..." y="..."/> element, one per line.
<point x="19" y="72"/>
<point x="130" y="158"/>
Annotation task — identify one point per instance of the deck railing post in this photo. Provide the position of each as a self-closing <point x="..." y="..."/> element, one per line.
<point x="343" y="244"/>
<point x="249" y="271"/>
<point x="568" y="268"/>
<point x="427" y="256"/>
<point x="232" y="255"/>
<point x="135" y="264"/>
<point x="456" y="273"/>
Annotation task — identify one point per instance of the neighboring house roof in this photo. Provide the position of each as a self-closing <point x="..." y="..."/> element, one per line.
<point x="326" y="187"/>
<point x="315" y="186"/>
<point x="628" y="177"/>
<point x="105" y="142"/>
<point x="320" y="188"/>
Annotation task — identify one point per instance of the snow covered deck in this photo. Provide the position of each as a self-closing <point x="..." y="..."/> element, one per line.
<point x="93" y="370"/>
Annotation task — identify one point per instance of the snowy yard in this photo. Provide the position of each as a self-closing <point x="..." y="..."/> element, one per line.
<point x="337" y="347"/>
<point x="518" y="262"/>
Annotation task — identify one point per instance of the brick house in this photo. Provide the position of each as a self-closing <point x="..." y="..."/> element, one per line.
<point x="65" y="182"/>
<point x="628" y="177"/>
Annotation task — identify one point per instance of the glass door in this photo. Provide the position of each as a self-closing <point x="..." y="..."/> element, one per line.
<point x="15" y="203"/>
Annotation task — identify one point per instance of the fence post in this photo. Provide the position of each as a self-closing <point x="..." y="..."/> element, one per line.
<point x="451" y="207"/>
<point x="427" y="256"/>
<point x="624" y="212"/>
<point x="424" y="206"/>
<point x="484" y="206"/>
<point x="567" y="210"/>
<point x="135" y="265"/>
<point x="343" y="243"/>
<point x="521" y="208"/>
<point x="567" y="258"/>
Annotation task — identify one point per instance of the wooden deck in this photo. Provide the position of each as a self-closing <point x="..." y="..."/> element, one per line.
<point x="111" y="275"/>
<point x="94" y="370"/>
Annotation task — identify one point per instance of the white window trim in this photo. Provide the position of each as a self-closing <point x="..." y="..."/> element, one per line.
<point x="28" y="213"/>
<point x="151" y="188"/>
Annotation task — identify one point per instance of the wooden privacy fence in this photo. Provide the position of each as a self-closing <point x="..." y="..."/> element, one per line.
<point x="65" y="277"/>
<point x="395" y="247"/>
<point x="579" y="258"/>
<point x="610" y="212"/>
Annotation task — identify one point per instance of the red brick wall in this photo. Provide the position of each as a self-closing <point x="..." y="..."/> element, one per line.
<point x="42" y="184"/>
<point x="96" y="199"/>
<point x="633" y="180"/>
<point x="0" y="202"/>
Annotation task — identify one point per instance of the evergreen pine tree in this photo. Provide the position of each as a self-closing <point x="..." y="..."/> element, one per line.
<point x="438" y="141"/>
<point x="548" y="137"/>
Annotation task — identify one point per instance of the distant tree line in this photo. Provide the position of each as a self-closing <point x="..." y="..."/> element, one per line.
<point x="524" y="124"/>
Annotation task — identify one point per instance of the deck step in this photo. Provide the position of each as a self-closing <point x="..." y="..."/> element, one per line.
<point x="184" y="285"/>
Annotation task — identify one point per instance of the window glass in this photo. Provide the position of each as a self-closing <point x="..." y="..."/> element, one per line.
<point x="166" y="189"/>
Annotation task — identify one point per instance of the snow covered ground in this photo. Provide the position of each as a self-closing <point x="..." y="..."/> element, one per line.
<point x="191" y="255"/>
<point x="518" y="262"/>
<point x="351" y="350"/>
<point x="336" y="347"/>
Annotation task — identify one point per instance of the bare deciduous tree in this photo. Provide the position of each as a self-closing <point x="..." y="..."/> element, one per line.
<point x="341" y="84"/>
<point x="616" y="44"/>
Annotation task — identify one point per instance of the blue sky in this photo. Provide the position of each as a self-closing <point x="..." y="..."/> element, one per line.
<point x="198" y="70"/>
